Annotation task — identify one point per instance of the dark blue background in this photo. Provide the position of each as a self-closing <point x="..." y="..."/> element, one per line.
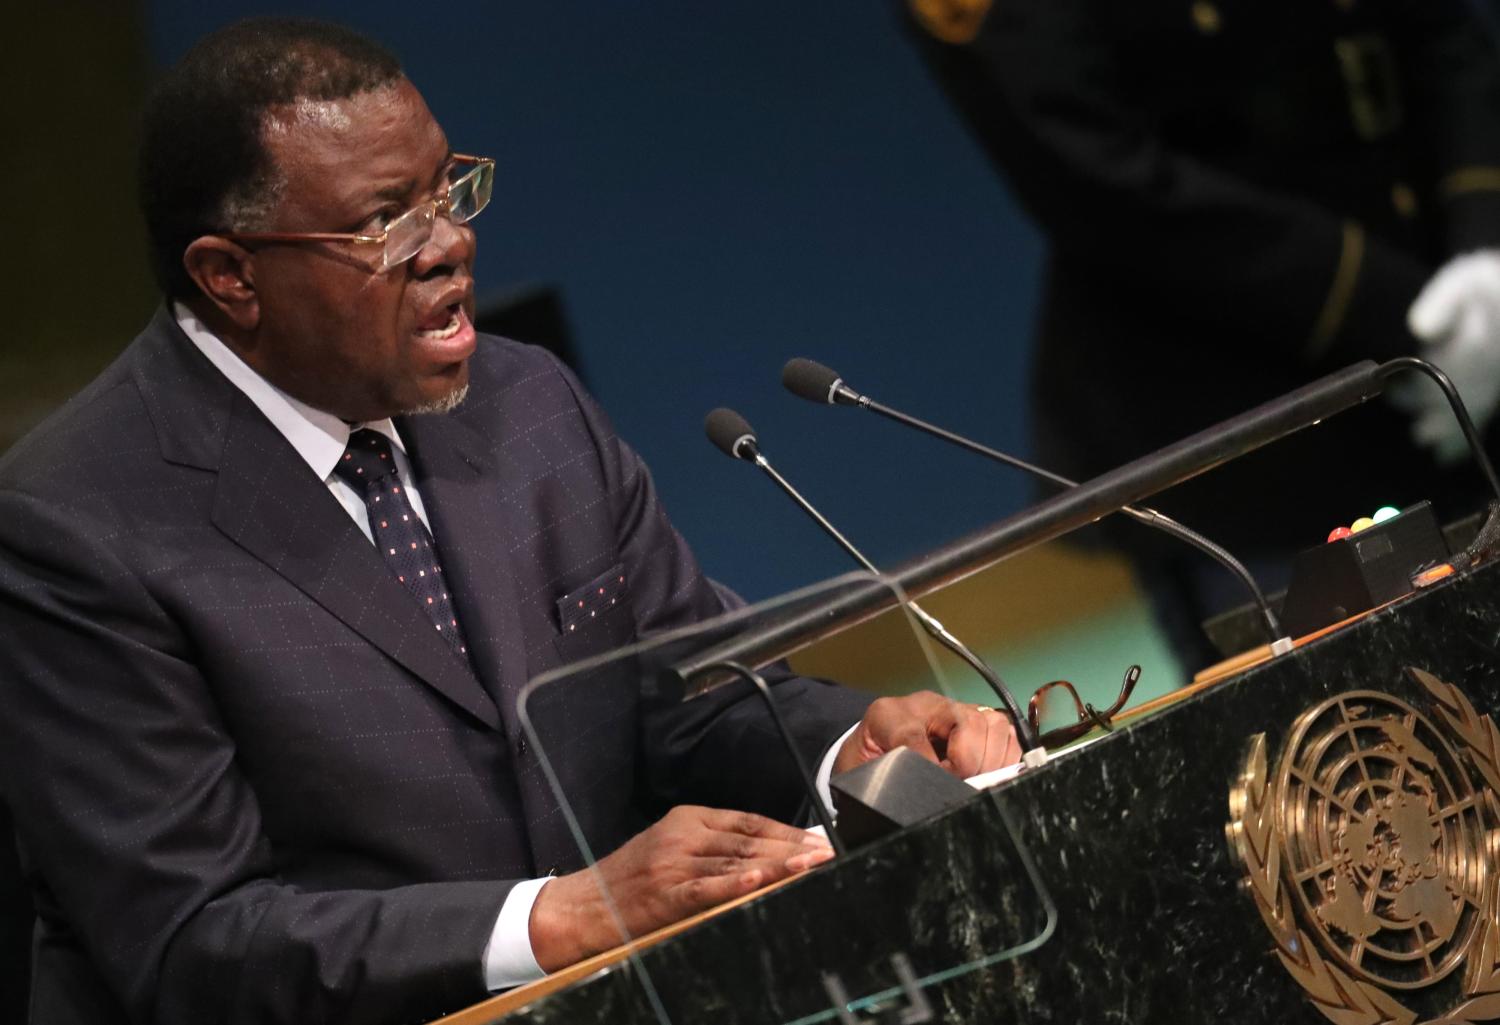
<point x="717" y="187"/>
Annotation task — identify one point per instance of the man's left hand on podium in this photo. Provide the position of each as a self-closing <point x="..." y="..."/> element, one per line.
<point x="965" y="739"/>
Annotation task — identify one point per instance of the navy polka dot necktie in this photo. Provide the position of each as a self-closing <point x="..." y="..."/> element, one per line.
<point x="404" y="542"/>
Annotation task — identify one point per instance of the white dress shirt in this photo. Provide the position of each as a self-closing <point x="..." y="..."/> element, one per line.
<point x="320" y="439"/>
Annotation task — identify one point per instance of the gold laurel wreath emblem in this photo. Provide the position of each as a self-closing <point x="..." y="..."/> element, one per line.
<point x="1254" y="841"/>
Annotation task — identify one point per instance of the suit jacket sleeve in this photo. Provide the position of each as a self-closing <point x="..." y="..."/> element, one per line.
<point x="124" y="782"/>
<point x="1039" y="84"/>
<point x="720" y="749"/>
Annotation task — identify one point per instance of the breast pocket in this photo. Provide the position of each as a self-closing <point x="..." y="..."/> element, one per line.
<point x="596" y="617"/>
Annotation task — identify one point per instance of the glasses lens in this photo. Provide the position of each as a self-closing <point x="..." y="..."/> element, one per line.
<point x="1057" y="705"/>
<point x="471" y="193"/>
<point x="407" y="234"/>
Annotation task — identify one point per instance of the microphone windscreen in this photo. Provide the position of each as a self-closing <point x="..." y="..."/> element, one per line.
<point x="809" y="379"/>
<point x="724" y="428"/>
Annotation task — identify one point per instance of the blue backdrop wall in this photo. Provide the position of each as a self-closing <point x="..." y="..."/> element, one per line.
<point x="717" y="187"/>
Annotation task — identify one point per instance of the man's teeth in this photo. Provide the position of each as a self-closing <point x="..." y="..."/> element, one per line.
<point x="448" y="330"/>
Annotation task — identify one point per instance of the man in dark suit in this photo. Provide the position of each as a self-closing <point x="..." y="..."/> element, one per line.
<point x="271" y="586"/>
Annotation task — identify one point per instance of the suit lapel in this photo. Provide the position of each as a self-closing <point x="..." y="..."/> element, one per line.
<point x="461" y="487"/>
<point x="273" y="506"/>
<point x="270" y="503"/>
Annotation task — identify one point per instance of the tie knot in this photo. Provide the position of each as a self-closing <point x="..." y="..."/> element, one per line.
<point x="366" y="459"/>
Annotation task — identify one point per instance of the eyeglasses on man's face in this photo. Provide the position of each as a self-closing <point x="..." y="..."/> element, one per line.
<point x="404" y="236"/>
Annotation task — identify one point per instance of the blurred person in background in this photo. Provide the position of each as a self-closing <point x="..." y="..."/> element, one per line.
<point x="1240" y="197"/>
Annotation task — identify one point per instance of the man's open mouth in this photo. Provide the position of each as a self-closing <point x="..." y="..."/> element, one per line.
<point x="445" y="323"/>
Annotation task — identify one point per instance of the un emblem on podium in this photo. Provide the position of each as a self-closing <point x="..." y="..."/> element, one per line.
<point x="1373" y="853"/>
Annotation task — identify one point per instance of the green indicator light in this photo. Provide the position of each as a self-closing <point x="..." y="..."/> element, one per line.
<point x="1385" y="512"/>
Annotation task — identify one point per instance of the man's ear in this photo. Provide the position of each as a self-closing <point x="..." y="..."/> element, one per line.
<point x="225" y="273"/>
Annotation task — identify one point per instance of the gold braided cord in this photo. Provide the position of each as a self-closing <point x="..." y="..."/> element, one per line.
<point x="1469" y="179"/>
<point x="1340" y="293"/>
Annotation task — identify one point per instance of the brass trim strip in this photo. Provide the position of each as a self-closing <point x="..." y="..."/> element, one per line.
<point x="1469" y="179"/>
<point x="1331" y="317"/>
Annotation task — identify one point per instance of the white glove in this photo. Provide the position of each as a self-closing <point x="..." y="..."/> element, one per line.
<point x="1457" y="317"/>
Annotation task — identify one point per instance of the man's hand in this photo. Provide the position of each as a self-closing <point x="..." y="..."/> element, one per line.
<point x="964" y="739"/>
<point x="1457" y="317"/>
<point x="691" y="860"/>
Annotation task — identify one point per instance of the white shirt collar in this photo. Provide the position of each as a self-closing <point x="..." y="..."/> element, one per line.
<point x="319" y="438"/>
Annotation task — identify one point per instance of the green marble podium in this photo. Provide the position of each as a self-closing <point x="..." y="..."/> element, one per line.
<point x="1102" y="886"/>
<point x="1316" y="838"/>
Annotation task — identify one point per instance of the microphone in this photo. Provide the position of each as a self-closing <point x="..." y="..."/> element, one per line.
<point x="811" y="380"/>
<point x="733" y="435"/>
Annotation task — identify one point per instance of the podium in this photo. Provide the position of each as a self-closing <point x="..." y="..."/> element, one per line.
<point x="1159" y="873"/>
<point x="1315" y="837"/>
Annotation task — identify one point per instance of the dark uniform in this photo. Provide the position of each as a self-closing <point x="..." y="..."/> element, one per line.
<point x="15" y="927"/>
<point x="1240" y="195"/>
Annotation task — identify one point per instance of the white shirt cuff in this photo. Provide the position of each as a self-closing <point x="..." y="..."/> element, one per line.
<point x="508" y="959"/>
<point x="825" y="770"/>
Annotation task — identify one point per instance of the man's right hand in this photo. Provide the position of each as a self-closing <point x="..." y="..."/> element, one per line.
<point x="691" y="860"/>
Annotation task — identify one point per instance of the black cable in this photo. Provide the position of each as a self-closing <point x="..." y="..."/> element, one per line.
<point x="808" y="783"/>
<point x="1460" y="412"/>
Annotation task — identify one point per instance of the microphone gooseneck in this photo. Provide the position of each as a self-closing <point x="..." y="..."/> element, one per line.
<point x="811" y="380"/>
<point x="733" y="435"/>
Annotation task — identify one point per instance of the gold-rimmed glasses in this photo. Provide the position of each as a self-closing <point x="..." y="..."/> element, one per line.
<point x="1087" y="716"/>
<point x="405" y="236"/>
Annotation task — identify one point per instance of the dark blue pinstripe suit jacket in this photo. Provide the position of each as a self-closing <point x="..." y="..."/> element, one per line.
<point x="251" y="782"/>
